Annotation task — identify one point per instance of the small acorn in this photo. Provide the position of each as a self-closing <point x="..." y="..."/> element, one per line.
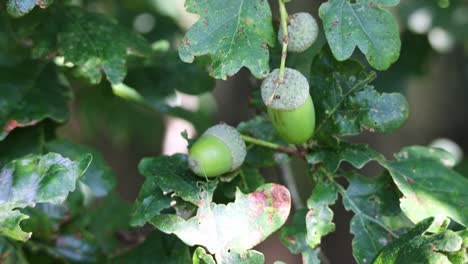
<point x="219" y="150"/>
<point x="302" y="32"/>
<point x="291" y="110"/>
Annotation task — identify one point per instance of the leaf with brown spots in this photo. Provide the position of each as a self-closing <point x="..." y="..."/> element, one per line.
<point x="319" y="217"/>
<point x="430" y="188"/>
<point x="235" y="34"/>
<point x="231" y="230"/>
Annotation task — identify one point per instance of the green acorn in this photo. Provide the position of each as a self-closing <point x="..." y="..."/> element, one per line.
<point x="291" y="109"/>
<point x="219" y="150"/>
<point x="302" y="32"/>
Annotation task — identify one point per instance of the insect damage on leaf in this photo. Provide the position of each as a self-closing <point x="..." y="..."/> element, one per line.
<point x="255" y="216"/>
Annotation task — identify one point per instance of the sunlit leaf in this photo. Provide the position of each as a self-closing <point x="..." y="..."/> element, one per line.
<point x="255" y="216"/>
<point x="35" y="179"/>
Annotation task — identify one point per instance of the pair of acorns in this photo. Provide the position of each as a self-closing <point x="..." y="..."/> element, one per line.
<point x="221" y="148"/>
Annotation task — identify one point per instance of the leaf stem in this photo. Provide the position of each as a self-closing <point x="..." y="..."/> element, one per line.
<point x="271" y="145"/>
<point x="284" y="52"/>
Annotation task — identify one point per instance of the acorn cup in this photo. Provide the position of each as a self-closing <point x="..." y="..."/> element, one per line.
<point x="291" y="109"/>
<point x="302" y="32"/>
<point x="219" y="150"/>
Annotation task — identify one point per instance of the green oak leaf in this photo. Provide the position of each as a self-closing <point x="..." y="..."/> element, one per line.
<point x="150" y="202"/>
<point x="35" y="179"/>
<point x="30" y="93"/>
<point x="348" y="104"/>
<point x="235" y="34"/>
<point x="417" y="247"/>
<point x="201" y="257"/>
<point x="319" y="217"/>
<point x="365" y="24"/>
<point x="20" y="8"/>
<point x="332" y="156"/>
<point x="429" y="187"/>
<point x="461" y="256"/>
<point x="171" y="174"/>
<point x="294" y="238"/>
<point x="94" y="43"/>
<point x="98" y="177"/>
<point x="255" y="216"/>
<point x="377" y="216"/>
